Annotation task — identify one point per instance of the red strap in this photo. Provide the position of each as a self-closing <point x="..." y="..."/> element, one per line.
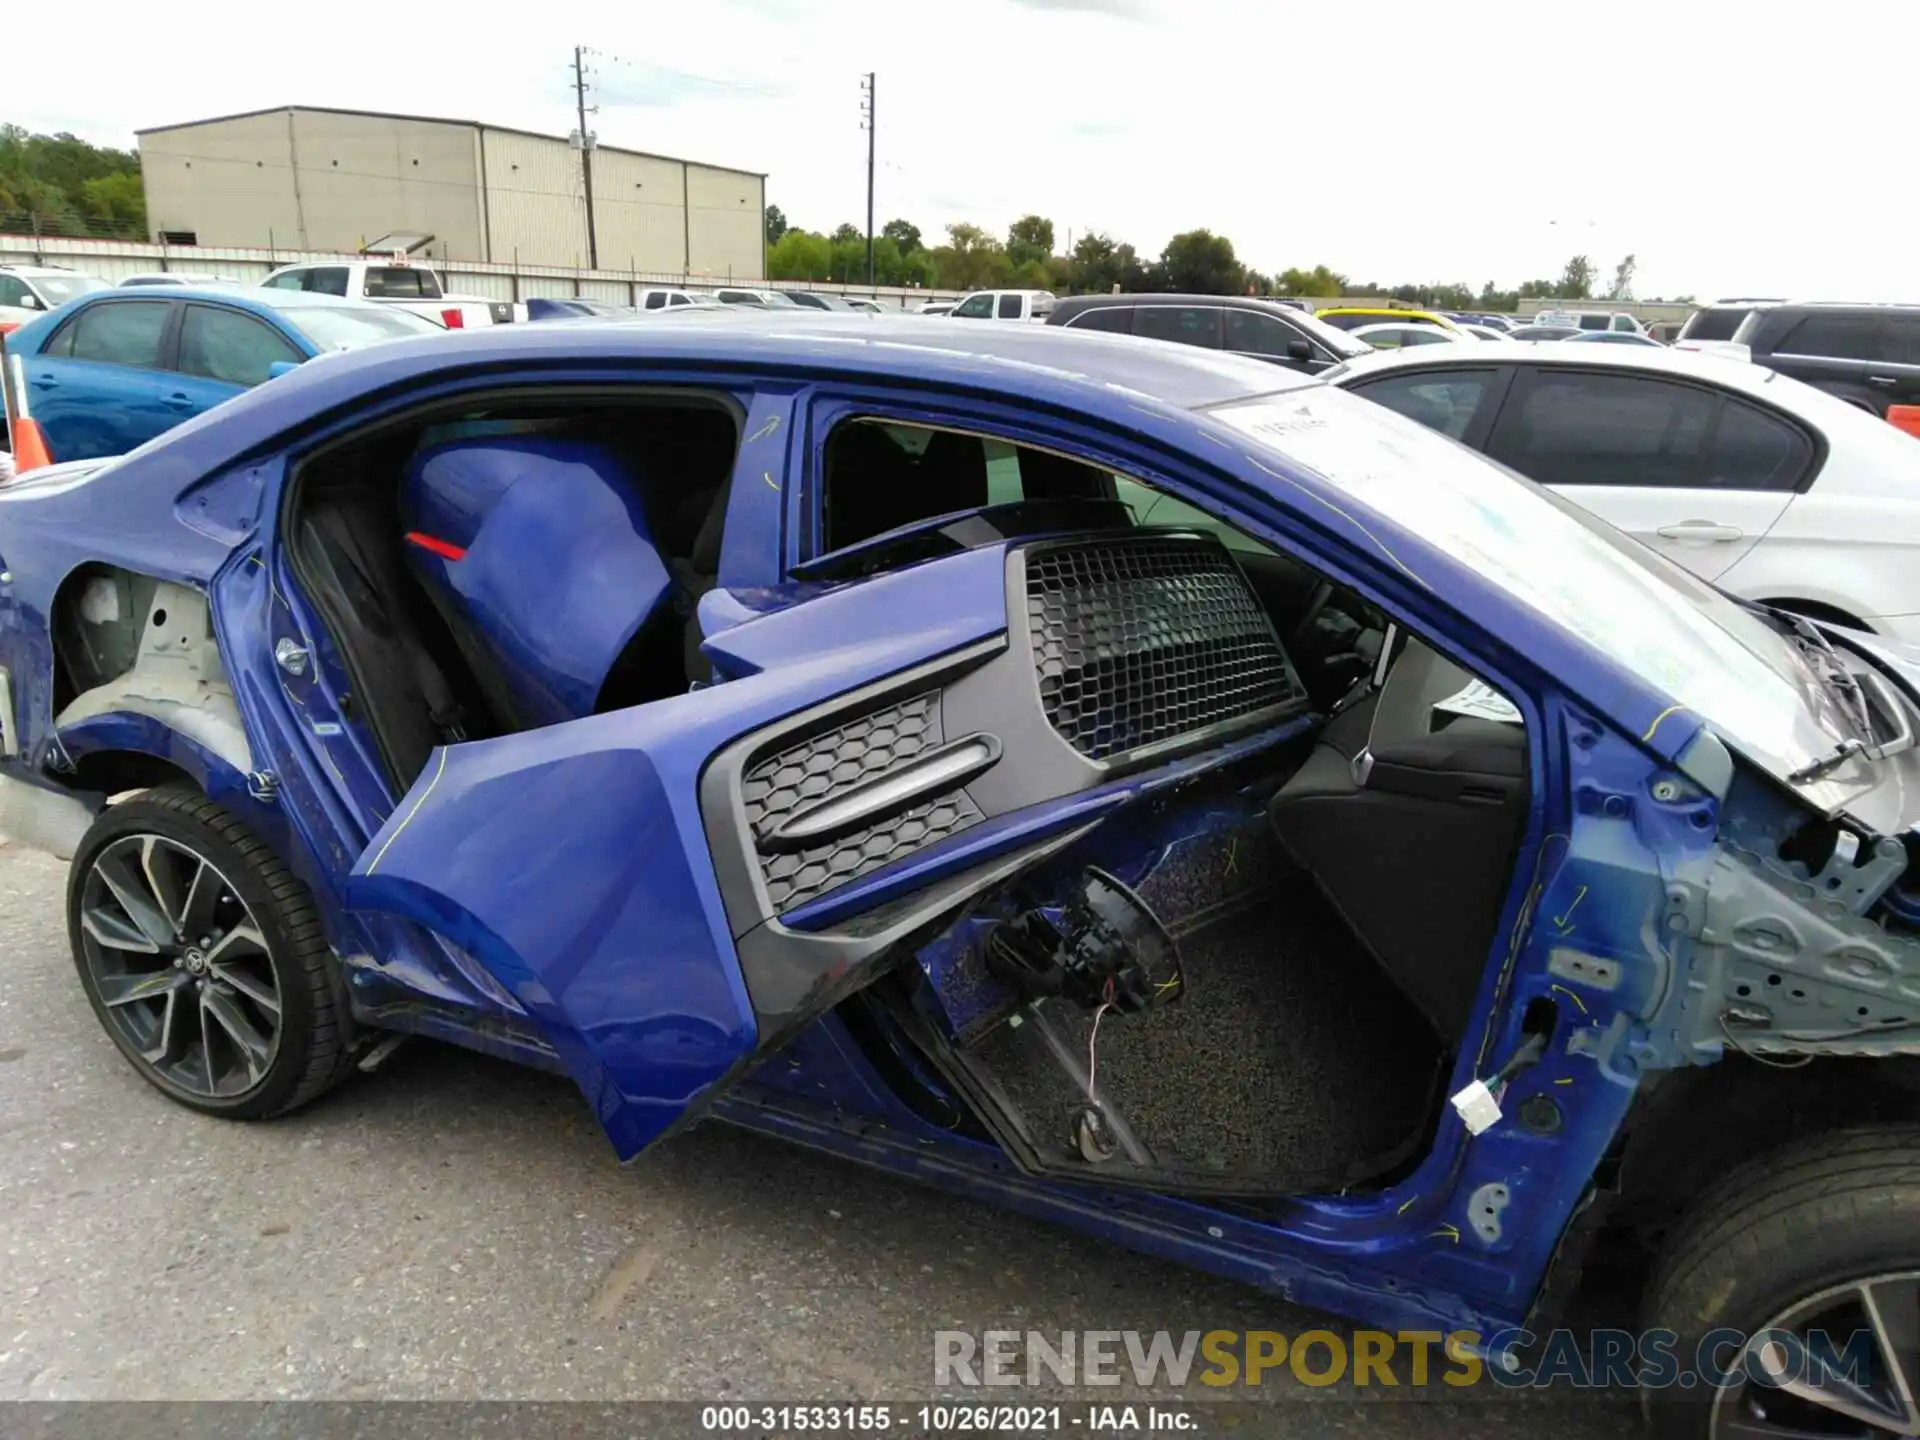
<point x="441" y="548"/>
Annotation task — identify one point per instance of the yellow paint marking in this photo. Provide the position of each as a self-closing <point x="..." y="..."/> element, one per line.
<point x="1670" y="710"/>
<point x="439" y="770"/>
<point x="1571" y="996"/>
<point x="1561" y="920"/>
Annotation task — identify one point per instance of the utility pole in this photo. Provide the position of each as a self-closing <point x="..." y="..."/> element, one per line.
<point x="866" y="119"/>
<point x="586" y="150"/>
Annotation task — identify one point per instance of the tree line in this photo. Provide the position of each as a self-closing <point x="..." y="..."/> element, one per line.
<point x="1194" y="262"/>
<point x="61" y="185"/>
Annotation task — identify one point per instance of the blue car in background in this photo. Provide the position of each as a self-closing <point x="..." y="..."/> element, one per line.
<point x="548" y="307"/>
<point x="1131" y="784"/>
<point x="108" y="372"/>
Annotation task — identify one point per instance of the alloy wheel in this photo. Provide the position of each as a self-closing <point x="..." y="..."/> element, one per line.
<point x="1842" y="1365"/>
<point x="183" y="972"/>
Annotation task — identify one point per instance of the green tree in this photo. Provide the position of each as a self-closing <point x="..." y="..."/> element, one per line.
<point x="1030" y="238"/>
<point x="849" y="232"/>
<point x="905" y="235"/>
<point x="1622" y="287"/>
<point x="1198" y="262"/>
<point x="971" y="259"/>
<point x="1319" y="282"/>
<point x="1095" y="264"/>
<point x="776" y="224"/>
<point x="800" y="255"/>
<point x="62" y="184"/>
<point x="1576" y="281"/>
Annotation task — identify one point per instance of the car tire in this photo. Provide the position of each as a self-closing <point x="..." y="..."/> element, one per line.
<point x="1796" y="1228"/>
<point x="266" y="1014"/>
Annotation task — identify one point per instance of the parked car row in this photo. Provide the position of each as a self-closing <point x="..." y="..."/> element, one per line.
<point x="1161" y="791"/>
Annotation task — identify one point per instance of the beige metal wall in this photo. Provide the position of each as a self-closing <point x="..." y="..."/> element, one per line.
<point x="726" y="220"/>
<point x="361" y="176"/>
<point x="230" y="182"/>
<point x="332" y="181"/>
<point x="535" y="215"/>
<point x="639" y="212"/>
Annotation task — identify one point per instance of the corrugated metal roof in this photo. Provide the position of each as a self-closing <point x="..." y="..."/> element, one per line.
<point x="436" y="120"/>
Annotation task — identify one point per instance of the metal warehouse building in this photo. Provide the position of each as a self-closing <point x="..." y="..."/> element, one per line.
<point x="315" y="179"/>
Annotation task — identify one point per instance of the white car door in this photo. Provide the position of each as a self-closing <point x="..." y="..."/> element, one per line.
<point x="1697" y="473"/>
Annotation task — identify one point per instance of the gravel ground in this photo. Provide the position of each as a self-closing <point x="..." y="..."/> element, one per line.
<point x="456" y="1228"/>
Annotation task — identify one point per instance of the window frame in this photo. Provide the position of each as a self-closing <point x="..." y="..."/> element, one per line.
<point x="295" y="354"/>
<point x="1813" y="455"/>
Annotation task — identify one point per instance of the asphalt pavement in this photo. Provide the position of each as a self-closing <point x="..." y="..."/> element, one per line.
<point x="456" y="1228"/>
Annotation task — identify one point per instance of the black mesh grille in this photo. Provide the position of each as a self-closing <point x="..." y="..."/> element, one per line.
<point x="1143" y="640"/>
<point x="827" y="764"/>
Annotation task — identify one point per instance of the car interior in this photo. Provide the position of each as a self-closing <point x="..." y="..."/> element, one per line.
<point x="524" y="562"/>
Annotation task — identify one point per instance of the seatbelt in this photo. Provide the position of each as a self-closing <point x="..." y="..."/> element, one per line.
<point x="448" y="718"/>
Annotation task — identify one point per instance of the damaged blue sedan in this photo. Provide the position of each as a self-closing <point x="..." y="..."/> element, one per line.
<point x="1140" y="787"/>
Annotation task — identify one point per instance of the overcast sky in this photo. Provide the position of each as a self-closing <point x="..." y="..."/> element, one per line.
<point x="1736" y="149"/>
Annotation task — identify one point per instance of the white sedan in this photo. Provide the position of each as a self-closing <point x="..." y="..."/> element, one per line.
<point x="1771" y="489"/>
<point x="1404" y="334"/>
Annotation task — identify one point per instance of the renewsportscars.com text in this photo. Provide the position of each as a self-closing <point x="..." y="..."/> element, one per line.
<point x="1415" y="1359"/>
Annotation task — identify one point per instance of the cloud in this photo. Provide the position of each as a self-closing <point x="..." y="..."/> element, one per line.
<point x="1120" y="9"/>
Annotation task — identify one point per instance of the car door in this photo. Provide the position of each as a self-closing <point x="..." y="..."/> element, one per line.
<point x="1269" y="338"/>
<point x="1458" y="402"/>
<point x="1833" y="348"/>
<point x="101" y="385"/>
<point x="1697" y="473"/>
<point x="1895" y="373"/>
<point x="221" y="352"/>
<point x="1183" y="324"/>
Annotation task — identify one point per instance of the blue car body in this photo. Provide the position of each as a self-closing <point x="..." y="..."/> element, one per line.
<point x="94" y="407"/>
<point x="579" y="896"/>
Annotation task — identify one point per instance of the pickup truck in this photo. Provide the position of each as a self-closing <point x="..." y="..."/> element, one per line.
<point x="410" y="287"/>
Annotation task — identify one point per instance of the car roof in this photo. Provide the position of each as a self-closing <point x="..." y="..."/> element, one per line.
<point x="1072" y="303"/>
<point x="1734" y="374"/>
<point x="1100" y="374"/>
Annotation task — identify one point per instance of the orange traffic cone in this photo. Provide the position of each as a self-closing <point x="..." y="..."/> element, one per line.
<point x="29" y="445"/>
<point x="29" y="441"/>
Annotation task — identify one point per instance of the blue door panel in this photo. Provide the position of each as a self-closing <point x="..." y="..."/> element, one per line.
<point x="572" y="861"/>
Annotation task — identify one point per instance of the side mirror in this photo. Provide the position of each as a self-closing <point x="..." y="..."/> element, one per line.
<point x="1299" y="350"/>
<point x="282" y="367"/>
<point x="31" y="301"/>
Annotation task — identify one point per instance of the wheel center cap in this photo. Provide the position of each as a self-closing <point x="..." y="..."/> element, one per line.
<point x="196" y="960"/>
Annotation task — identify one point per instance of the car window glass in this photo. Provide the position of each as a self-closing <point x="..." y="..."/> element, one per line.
<point x="228" y="346"/>
<point x="327" y="280"/>
<point x="1009" y="307"/>
<point x="123" y="333"/>
<point x="1445" y="400"/>
<point x="655" y="300"/>
<point x="975" y="307"/>
<point x="1157" y="508"/>
<point x="1756" y="451"/>
<point x="292" y="280"/>
<point x="1252" y="333"/>
<point x="881" y="475"/>
<point x="1623" y="322"/>
<point x="1425" y="335"/>
<point x="1714" y="324"/>
<point x="12" y="290"/>
<point x="1592" y="322"/>
<point x="1574" y="428"/>
<point x="1116" y="319"/>
<point x="1836" y="335"/>
<point x="1187" y="324"/>
<point x="1902" y="331"/>
<point x="399" y="282"/>
<point x="61" y="343"/>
